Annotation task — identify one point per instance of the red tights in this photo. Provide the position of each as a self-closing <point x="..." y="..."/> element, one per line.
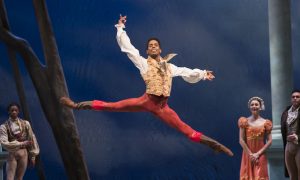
<point x="157" y="105"/>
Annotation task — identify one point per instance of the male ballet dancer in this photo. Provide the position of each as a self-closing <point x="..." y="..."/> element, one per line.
<point x="157" y="73"/>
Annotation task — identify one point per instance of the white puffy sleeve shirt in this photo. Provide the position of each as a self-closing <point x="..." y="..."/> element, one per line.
<point x="189" y="75"/>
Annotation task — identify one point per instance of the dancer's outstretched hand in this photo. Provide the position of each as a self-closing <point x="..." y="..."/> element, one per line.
<point x="209" y="75"/>
<point x="122" y="20"/>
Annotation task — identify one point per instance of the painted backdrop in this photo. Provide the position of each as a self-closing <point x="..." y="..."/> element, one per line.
<point x="227" y="37"/>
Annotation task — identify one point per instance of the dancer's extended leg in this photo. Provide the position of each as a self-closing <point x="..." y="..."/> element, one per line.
<point x="170" y="117"/>
<point x="127" y="105"/>
<point x="157" y="107"/>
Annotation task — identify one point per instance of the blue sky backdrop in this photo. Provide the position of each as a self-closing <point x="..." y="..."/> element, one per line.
<point x="228" y="37"/>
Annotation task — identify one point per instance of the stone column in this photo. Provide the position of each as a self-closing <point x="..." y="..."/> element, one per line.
<point x="281" y="77"/>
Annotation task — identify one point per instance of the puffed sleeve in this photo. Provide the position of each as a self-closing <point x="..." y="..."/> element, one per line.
<point x="126" y="47"/>
<point x="189" y="75"/>
<point x="243" y="122"/>
<point x="268" y="126"/>
<point x="34" y="150"/>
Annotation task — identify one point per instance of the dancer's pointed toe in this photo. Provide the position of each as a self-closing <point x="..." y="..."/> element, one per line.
<point x="215" y="145"/>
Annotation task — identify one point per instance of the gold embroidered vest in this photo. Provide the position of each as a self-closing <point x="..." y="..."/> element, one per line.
<point x="158" y="78"/>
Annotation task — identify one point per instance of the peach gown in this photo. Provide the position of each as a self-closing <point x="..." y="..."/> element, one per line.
<point x="255" y="140"/>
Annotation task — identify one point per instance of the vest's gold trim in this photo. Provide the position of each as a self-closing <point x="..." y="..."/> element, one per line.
<point x="158" y="78"/>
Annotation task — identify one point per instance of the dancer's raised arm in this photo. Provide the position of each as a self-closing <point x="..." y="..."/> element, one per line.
<point x="126" y="46"/>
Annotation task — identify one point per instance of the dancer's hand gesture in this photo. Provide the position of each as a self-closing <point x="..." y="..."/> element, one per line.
<point x="122" y="20"/>
<point x="209" y="75"/>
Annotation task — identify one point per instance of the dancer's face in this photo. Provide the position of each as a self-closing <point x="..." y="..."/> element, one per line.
<point x="295" y="99"/>
<point x="153" y="49"/>
<point x="255" y="107"/>
<point x="13" y="112"/>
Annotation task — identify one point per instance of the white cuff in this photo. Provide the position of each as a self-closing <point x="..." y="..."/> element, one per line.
<point x="205" y="75"/>
<point x="120" y="26"/>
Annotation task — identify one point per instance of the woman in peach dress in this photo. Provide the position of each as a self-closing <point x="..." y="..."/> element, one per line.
<point x="255" y="138"/>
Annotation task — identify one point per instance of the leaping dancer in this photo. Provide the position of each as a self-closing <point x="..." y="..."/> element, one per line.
<point x="157" y="73"/>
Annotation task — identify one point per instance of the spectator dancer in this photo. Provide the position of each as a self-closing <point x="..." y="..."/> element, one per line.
<point x="254" y="131"/>
<point x="290" y="130"/>
<point x="17" y="137"/>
